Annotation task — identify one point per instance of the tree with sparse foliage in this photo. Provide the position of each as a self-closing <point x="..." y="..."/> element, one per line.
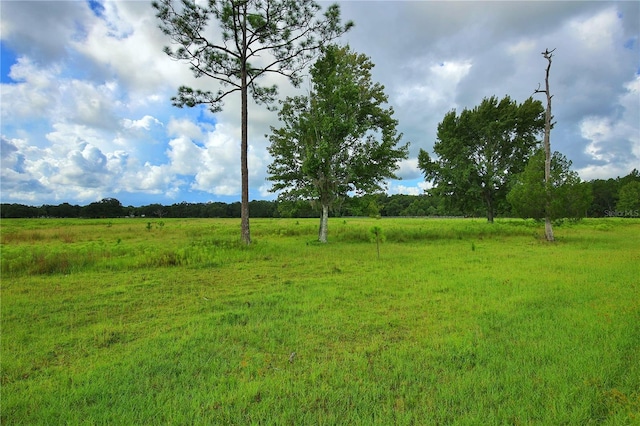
<point x="478" y="150"/>
<point x="338" y="139"/>
<point x="235" y="42"/>
<point x="569" y="196"/>
<point x="546" y="144"/>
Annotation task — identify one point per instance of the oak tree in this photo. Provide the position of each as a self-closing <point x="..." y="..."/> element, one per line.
<point x="235" y="42"/>
<point x="341" y="138"/>
<point x="479" y="149"/>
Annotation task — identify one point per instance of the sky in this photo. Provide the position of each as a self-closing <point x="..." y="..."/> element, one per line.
<point x="86" y="91"/>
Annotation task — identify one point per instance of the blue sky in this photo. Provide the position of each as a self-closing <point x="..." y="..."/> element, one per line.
<point x="7" y="59"/>
<point x="86" y="112"/>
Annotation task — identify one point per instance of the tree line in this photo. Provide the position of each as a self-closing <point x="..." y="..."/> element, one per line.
<point x="619" y="197"/>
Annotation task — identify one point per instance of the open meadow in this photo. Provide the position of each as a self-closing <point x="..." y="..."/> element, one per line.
<point x="452" y="321"/>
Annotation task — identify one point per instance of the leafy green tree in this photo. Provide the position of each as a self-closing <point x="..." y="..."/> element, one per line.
<point x="263" y="208"/>
<point x="420" y="206"/>
<point x="634" y="176"/>
<point x="215" y="209"/>
<point x="629" y="199"/>
<point x="107" y="207"/>
<point x="479" y="149"/>
<point x="568" y="196"/>
<point x="255" y="37"/>
<point x="152" y="210"/>
<point x="340" y="138"/>
<point x="20" y="210"/>
<point x="605" y="196"/>
<point x="296" y="208"/>
<point x="62" y="210"/>
<point x="365" y="205"/>
<point x="396" y="204"/>
<point x="606" y="193"/>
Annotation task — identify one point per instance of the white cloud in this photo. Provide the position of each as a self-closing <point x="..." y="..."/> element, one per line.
<point x="128" y="43"/>
<point x="84" y="167"/>
<point x="185" y="156"/>
<point x="408" y="169"/>
<point x="88" y="113"/>
<point x="44" y="93"/>
<point x="406" y="190"/>
<point x="43" y="29"/>
<point x="614" y="141"/>
<point x="143" y="123"/>
<point x="439" y="85"/>
<point x="184" y="127"/>
<point x="9" y="153"/>
<point x="265" y="191"/>
<point x="66" y="136"/>
<point x="598" y="32"/>
<point x="522" y="47"/>
<point x="34" y="94"/>
<point x="418" y="188"/>
<point x="219" y="169"/>
<point x="90" y="104"/>
<point x="604" y="171"/>
<point x="597" y="130"/>
<point x="154" y="179"/>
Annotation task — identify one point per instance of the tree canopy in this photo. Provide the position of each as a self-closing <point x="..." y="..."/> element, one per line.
<point x="479" y="149"/>
<point x="567" y="195"/>
<point x="340" y="138"/>
<point x="252" y="38"/>
<point x="629" y="200"/>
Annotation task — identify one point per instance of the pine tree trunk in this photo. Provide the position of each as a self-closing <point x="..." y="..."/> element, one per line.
<point x="244" y="209"/>
<point x="324" y="224"/>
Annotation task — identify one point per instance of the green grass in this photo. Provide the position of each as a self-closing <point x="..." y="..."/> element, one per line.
<point x="457" y="322"/>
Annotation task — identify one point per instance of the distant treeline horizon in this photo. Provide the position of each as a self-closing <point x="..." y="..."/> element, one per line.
<point x="604" y="203"/>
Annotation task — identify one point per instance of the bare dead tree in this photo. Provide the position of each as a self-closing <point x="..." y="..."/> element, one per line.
<point x="548" y="229"/>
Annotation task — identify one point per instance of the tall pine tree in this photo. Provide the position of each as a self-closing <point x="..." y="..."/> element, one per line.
<point x="256" y="37"/>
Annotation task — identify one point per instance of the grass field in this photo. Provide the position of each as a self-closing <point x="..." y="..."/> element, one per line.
<point x="132" y="321"/>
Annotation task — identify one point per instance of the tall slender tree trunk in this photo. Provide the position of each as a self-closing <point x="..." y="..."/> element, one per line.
<point x="244" y="166"/>
<point x="324" y="224"/>
<point x="548" y="229"/>
<point x="244" y="209"/>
